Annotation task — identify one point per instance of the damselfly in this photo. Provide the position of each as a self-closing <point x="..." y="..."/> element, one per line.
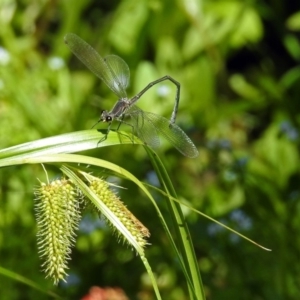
<point x="114" y="72"/>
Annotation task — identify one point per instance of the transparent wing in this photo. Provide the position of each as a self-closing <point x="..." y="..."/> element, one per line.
<point x="171" y="132"/>
<point x="120" y="70"/>
<point x="104" y="70"/>
<point x="141" y="128"/>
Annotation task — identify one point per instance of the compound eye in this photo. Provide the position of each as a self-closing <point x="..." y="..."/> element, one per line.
<point x="108" y="119"/>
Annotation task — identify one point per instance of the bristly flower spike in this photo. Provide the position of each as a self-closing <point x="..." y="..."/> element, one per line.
<point x="57" y="206"/>
<point x="116" y="206"/>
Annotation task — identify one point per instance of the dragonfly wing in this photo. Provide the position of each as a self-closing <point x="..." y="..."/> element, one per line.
<point x="141" y="127"/>
<point x="92" y="59"/>
<point x="174" y="134"/>
<point x="119" y="69"/>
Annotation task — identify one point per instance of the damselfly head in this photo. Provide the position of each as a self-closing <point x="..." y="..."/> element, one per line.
<point x="105" y="117"/>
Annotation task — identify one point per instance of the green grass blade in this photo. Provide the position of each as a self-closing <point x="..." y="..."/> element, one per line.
<point x="185" y="241"/>
<point x="28" y="282"/>
<point x="68" y="143"/>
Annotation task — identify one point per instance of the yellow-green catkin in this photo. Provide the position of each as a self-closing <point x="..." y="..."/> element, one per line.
<point x="112" y="201"/>
<point x="58" y="215"/>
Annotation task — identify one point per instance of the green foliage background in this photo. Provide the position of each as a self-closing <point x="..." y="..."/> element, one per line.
<point x="238" y="65"/>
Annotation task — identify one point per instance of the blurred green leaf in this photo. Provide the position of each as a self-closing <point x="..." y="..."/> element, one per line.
<point x="293" y="46"/>
<point x="293" y="22"/>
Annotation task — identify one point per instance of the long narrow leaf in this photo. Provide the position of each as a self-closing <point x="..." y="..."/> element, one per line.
<point x="65" y="143"/>
<point x="26" y="281"/>
<point x="184" y="238"/>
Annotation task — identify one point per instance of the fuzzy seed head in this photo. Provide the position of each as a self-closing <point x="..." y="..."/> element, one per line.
<point x="112" y="201"/>
<point x="58" y="215"/>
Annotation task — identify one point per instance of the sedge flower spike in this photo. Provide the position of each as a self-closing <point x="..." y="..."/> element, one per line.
<point x="57" y="207"/>
<point x="120" y="211"/>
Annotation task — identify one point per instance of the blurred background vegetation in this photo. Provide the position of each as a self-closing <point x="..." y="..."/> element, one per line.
<point x="238" y="65"/>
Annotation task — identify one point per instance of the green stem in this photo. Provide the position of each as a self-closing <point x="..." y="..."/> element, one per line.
<point x="181" y="228"/>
